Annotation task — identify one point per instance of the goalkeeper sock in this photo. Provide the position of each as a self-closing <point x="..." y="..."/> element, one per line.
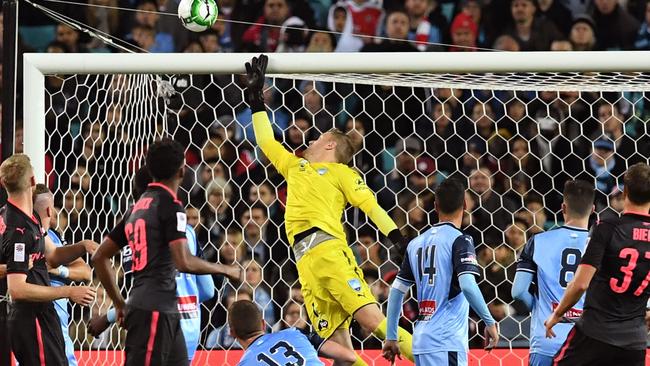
<point x="359" y="362"/>
<point x="404" y="339"/>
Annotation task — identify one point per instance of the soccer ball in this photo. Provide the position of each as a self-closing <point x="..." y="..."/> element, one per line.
<point x="198" y="15"/>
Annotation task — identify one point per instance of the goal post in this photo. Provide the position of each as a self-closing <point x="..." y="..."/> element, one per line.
<point x="514" y="125"/>
<point x="36" y="65"/>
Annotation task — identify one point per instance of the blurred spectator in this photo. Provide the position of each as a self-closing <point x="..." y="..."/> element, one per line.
<point x="474" y="10"/>
<point x="515" y="235"/>
<point x="220" y="338"/>
<point x="366" y="145"/>
<point x="148" y="17"/>
<point x="320" y="41"/>
<point x="614" y="209"/>
<point x="420" y="29"/>
<point x="144" y="37"/>
<point x="464" y="33"/>
<point x="218" y="212"/>
<point x="193" y="47"/>
<point x="255" y="221"/>
<point x="522" y="123"/>
<point x="267" y="38"/>
<point x="293" y="36"/>
<point x="205" y="174"/>
<point x="105" y="18"/>
<point x="616" y="29"/>
<point x="293" y="315"/>
<point x="582" y="35"/>
<point x="506" y="43"/>
<point x="643" y="35"/>
<point x="371" y="254"/>
<point x="339" y="20"/>
<point x="534" y="203"/>
<point x="70" y="38"/>
<point x="261" y="296"/>
<point x="442" y="142"/>
<point x="222" y="28"/>
<point x="493" y="213"/>
<point x="397" y="30"/>
<point x="298" y="134"/>
<point x="556" y="12"/>
<point x="275" y="110"/>
<point x="531" y="32"/>
<point x="367" y="17"/>
<point x="499" y="276"/>
<point x="613" y="126"/>
<point x="561" y="45"/>
<point x="605" y="167"/>
<point x="209" y="41"/>
<point x="313" y="104"/>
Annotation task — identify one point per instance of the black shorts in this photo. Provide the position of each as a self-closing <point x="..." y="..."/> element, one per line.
<point x="579" y="350"/>
<point x="154" y="338"/>
<point x="36" y="336"/>
<point x="5" y="350"/>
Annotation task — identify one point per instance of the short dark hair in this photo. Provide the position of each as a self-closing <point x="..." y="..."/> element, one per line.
<point x="450" y="196"/>
<point x="141" y="181"/>
<point x="579" y="197"/>
<point x="244" y="319"/>
<point x="164" y="158"/>
<point x="40" y="189"/>
<point x="636" y="185"/>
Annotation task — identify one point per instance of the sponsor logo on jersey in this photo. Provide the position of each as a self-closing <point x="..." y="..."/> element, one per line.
<point x="571" y="314"/>
<point x="323" y="324"/>
<point x="181" y="221"/>
<point x="322" y="171"/>
<point x="355" y="284"/>
<point x="469" y="259"/>
<point x="302" y="164"/>
<point x="427" y="309"/>
<point x="19" y="252"/>
<point x="188" y="306"/>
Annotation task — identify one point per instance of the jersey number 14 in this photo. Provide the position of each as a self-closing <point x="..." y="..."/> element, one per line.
<point x="427" y="263"/>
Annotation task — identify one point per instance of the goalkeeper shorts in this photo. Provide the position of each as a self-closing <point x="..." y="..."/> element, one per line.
<point x="332" y="285"/>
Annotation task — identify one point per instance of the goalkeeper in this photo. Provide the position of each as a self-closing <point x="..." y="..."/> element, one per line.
<point x="320" y="185"/>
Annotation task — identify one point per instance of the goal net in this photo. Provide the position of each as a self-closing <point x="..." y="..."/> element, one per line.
<point x="513" y="126"/>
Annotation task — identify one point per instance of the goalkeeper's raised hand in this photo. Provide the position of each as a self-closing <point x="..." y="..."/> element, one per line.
<point x="399" y="241"/>
<point x="255" y="71"/>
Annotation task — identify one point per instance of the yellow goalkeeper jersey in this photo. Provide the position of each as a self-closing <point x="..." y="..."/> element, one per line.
<point x="317" y="193"/>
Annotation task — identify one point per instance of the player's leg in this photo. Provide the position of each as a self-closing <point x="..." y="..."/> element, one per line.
<point x="173" y="344"/>
<point x="24" y="340"/>
<point x="580" y="350"/>
<point x="537" y="359"/>
<point x="370" y="317"/>
<point x="142" y="329"/>
<point x="52" y="337"/>
<point x="342" y="337"/>
<point x="69" y="346"/>
<point x="5" y="348"/>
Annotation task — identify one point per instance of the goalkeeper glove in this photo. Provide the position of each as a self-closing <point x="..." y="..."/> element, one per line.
<point x="399" y="241"/>
<point x="255" y="71"/>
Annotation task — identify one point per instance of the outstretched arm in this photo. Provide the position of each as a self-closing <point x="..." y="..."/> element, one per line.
<point x="277" y="155"/>
<point x="102" y="264"/>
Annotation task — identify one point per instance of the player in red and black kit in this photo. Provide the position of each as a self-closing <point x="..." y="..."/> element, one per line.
<point x="34" y="328"/>
<point x="154" y="228"/>
<point x="612" y="330"/>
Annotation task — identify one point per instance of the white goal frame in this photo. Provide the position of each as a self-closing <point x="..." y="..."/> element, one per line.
<point x="36" y="66"/>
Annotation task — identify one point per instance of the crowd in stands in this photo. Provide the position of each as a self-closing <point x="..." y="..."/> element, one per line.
<point x="514" y="150"/>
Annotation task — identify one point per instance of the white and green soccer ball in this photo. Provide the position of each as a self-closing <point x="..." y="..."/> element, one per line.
<point x="198" y="15"/>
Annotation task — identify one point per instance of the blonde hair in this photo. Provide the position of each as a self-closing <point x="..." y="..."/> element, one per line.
<point x="344" y="146"/>
<point x="15" y="173"/>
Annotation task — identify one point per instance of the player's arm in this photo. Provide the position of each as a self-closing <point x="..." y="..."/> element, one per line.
<point x="359" y="195"/>
<point x="590" y="263"/>
<point x="277" y="155"/>
<point x="331" y="349"/>
<point x="77" y="271"/>
<point x="18" y="246"/>
<point x="399" y="288"/>
<point x="57" y="256"/>
<point x="102" y="263"/>
<point x="466" y="268"/>
<point x="526" y="269"/>
<point x="205" y="284"/>
<point x="3" y="271"/>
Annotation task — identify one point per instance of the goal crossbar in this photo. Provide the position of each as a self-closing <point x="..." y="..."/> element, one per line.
<point x="607" y="70"/>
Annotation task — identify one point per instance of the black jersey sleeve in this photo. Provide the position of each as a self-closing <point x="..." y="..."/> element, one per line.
<point x="599" y="236"/>
<point x="464" y="256"/>
<point x="313" y="338"/>
<point x="18" y="243"/>
<point x="118" y="235"/>
<point x="526" y="260"/>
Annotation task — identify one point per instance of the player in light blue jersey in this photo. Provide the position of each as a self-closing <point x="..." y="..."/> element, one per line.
<point x="550" y="260"/>
<point x="286" y="347"/>
<point x="441" y="262"/>
<point x="75" y="271"/>
<point x="191" y="290"/>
